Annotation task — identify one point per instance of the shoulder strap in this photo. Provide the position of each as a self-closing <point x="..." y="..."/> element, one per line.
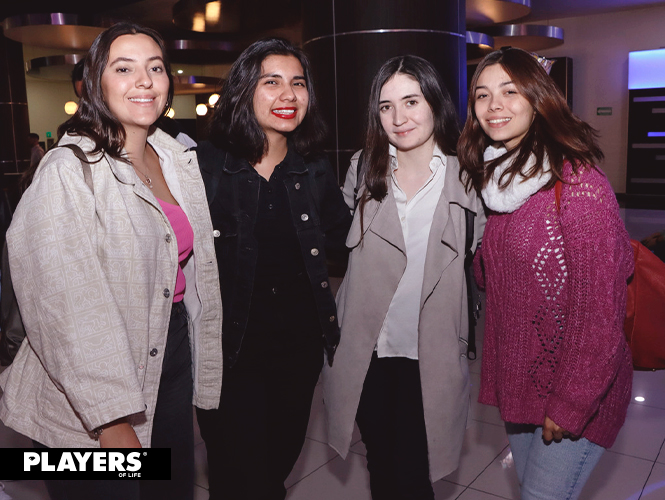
<point x="85" y="164"/>
<point x="470" y="216"/>
<point x="473" y="297"/>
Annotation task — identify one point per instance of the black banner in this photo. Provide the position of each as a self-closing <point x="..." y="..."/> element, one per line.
<point x="81" y="463"/>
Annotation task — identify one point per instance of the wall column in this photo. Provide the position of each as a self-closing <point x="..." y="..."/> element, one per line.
<point x="14" y="121"/>
<point x="348" y="40"/>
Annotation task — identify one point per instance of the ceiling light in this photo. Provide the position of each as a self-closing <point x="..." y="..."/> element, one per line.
<point x="201" y="109"/>
<point x="212" y="100"/>
<point x="198" y="22"/>
<point x="71" y="107"/>
<point x="170" y="113"/>
<point x="213" y="11"/>
<point x="211" y="15"/>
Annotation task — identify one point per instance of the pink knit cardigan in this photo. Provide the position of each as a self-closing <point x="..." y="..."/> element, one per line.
<point x="556" y="301"/>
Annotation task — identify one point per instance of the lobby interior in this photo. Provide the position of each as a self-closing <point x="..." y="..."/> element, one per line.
<point x="595" y="36"/>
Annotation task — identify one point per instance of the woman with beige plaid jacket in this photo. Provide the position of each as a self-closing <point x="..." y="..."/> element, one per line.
<point x="116" y="279"/>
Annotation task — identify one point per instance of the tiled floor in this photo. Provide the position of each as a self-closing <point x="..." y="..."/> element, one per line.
<point x="633" y="469"/>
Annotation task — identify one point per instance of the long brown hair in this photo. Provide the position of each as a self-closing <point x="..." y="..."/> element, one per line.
<point x="555" y="131"/>
<point x="446" y="125"/>
<point x="93" y="118"/>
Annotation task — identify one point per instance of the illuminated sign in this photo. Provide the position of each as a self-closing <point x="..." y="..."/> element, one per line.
<point x="646" y="69"/>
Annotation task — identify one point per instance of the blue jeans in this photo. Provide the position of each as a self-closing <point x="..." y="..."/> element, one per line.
<point x="551" y="471"/>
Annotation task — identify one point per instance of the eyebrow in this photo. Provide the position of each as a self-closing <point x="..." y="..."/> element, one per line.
<point x="277" y="75"/>
<point x="403" y="98"/>
<point x="503" y="84"/>
<point x="129" y="59"/>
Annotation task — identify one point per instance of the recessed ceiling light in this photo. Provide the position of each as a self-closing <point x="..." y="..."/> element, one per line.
<point x="71" y="107"/>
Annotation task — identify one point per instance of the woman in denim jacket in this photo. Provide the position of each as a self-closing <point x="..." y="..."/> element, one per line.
<point x="278" y="213"/>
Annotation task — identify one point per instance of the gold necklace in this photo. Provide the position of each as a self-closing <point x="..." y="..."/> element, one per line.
<point x="148" y="180"/>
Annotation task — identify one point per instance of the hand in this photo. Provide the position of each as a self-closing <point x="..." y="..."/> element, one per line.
<point x="119" y="434"/>
<point x="552" y="432"/>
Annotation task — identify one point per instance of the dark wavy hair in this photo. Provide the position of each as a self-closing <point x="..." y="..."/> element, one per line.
<point x="234" y="127"/>
<point x="446" y="125"/>
<point x="93" y="118"/>
<point x="555" y="131"/>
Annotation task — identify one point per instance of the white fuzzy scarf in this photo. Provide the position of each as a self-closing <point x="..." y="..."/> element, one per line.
<point x="517" y="193"/>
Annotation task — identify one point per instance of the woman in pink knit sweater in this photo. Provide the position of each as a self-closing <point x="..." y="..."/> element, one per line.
<point x="555" y="360"/>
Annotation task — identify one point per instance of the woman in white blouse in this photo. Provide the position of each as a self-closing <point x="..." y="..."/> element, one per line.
<point x="400" y="370"/>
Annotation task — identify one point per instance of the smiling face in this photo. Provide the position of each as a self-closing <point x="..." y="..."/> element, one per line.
<point x="281" y="97"/>
<point x="134" y="83"/>
<point x="504" y="114"/>
<point x="406" y="116"/>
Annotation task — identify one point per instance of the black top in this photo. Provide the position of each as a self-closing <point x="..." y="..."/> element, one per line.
<point x="245" y="242"/>
<point x="279" y="258"/>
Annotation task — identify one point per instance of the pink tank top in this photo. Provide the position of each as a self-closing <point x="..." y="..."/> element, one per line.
<point x="185" y="238"/>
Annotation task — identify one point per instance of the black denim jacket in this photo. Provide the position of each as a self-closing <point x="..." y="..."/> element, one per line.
<point x="321" y="219"/>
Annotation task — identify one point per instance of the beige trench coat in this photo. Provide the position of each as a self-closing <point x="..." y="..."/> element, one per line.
<point x="94" y="277"/>
<point x="375" y="268"/>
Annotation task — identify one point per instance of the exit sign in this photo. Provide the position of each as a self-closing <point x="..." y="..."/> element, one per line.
<point x="604" y="111"/>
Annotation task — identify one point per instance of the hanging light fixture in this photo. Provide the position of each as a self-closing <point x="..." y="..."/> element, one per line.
<point x="486" y="12"/>
<point x="71" y="107"/>
<point x="55" y="30"/>
<point x="478" y="45"/>
<point x="529" y="37"/>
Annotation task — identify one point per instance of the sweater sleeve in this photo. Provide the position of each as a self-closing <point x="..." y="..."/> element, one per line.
<point x="598" y="259"/>
<point x="72" y="321"/>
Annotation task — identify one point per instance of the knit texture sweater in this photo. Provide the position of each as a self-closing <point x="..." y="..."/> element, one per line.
<point x="556" y="302"/>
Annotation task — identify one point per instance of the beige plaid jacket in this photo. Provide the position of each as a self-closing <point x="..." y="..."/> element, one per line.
<point x="94" y="277"/>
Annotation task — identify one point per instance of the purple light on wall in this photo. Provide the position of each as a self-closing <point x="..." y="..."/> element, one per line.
<point x="646" y="69"/>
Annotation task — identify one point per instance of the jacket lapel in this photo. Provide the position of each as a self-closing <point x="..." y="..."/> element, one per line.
<point x="386" y="223"/>
<point x="382" y="219"/>
<point x="442" y="245"/>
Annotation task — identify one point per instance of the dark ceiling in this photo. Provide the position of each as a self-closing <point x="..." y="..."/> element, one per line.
<point x="279" y="17"/>
<point x="542" y="10"/>
<point x="146" y="9"/>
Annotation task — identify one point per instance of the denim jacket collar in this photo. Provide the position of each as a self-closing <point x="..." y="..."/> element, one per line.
<point x="294" y="163"/>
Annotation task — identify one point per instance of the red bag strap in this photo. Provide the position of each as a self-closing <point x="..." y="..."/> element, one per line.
<point x="557" y="194"/>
